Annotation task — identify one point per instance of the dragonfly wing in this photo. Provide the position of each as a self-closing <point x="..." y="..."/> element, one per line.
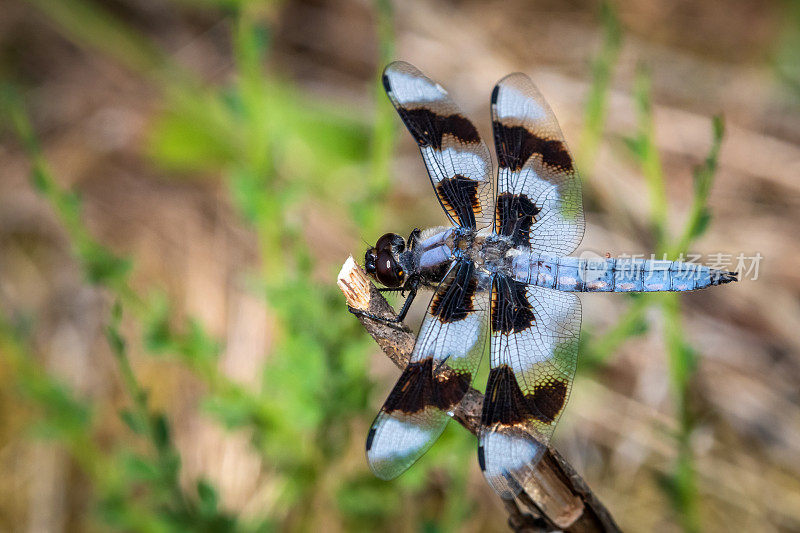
<point x="538" y="191"/>
<point x="457" y="160"/>
<point x="443" y="363"/>
<point x="534" y="345"/>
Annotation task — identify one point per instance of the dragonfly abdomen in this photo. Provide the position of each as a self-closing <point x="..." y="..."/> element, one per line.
<point x="574" y="274"/>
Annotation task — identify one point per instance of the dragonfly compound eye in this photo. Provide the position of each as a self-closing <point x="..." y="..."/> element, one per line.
<point x="369" y="261"/>
<point x="388" y="271"/>
<point x="391" y="242"/>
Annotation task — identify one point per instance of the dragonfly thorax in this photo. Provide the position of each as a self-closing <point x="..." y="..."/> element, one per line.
<point x="430" y="256"/>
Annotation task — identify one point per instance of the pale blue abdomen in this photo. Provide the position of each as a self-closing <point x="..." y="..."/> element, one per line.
<point x="573" y="274"/>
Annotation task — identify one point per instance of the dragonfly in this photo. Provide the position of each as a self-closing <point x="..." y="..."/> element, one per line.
<point x="501" y="271"/>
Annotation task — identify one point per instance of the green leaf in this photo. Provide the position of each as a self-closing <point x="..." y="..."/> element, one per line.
<point x="232" y="412"/>
<point x="636" y="146"/>
<point x="198" y="343"/>
<point x="140" y="469"/>
<point x="40" y="181"/>
<point x="102" y="266"/>
<point x="161" y="432"/>
<point x="718" y="125"/>
<point x="157" y="330"/>
<point x="701" y="223"/>
<point x="115" y="340"/>
<point x="209" y="500"/>
<point x="134" y="422"/>
<point x="184" y="143"/>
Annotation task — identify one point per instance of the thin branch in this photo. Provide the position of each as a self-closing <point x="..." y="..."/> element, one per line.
<point x="556" y="496"/>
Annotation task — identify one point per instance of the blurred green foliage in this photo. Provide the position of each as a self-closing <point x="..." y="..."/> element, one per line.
<point x="681" y="486"/>
<point x="274" y="145"/>
<point x="602" y="68"/>
<point x="596" y="350"/>
<point x="786" y="58"/>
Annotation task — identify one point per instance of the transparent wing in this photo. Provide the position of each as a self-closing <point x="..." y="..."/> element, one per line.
<point x="457" y="160"/>
<point x="443" y="363"/>
<point x="535" y="333"/>
<point x="538" y="191"/>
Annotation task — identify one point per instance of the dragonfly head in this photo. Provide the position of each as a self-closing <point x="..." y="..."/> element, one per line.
<point x="382" y="261"/>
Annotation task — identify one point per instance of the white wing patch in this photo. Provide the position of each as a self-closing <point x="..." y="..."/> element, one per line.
<point x="450" y="342"/>
<point x="508" y="459"/>
<point x="403" y="438"/>
<point x="515" y="104"/>
<point x="409" y="88"/>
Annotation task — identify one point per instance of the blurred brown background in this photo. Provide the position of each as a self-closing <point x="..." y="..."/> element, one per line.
<point x="94" y="116"/>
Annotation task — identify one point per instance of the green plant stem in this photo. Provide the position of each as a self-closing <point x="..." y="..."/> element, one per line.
<point x="105" y="269"/>
<point x="681" y="357"/>
<point x="154" y="425"/>
<point x="85" y="246"/>
<point x="70" y="417"/>
<point x="649" y="159"/>
<point x="682" y="364"/>
<point x="597" y="100"/>
<point x="699" y="215"/>
<point x="683" y="485"/>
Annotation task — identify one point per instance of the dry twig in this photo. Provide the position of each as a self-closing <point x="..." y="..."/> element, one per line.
<point x="556" y="496"/>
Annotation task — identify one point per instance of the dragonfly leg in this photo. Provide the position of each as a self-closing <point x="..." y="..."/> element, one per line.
<point x="412" y="239"/>
<point x="412" y="292"/>
<point x="411" y="287"/>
